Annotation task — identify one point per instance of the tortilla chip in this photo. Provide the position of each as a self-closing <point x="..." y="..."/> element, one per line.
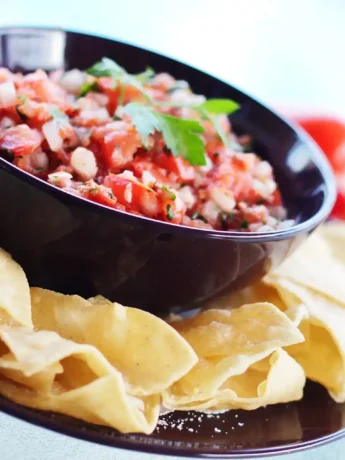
<point x="85" y="384"/>
<point x="99" y="300"/>
<point x="14" y="293"/>
<point x="145" y="349"/>
<point x="275" y="379"/>
<point x="314" y="266"/>
<point x="322" y="322"/>
<point x="259" y="292"/>
<point x="228" y="343"/>
<point x="333" y="234"/>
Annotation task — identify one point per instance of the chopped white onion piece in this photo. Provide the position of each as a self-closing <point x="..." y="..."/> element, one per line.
<point x="83" y="161"/>
<point x="60" y="178"/>
<point x="73" y="80"/>
<point x="128" y="195"/>
<point x="6" y="122"/>
<point x="51" y="131"/>
<point x="148" y="179"/>
<point x="208" y="166"/>
<point x="262" y="170"/>
<point x="39" y="160"/>
<point x="223" y="198"/>
<point x="187" y="196"/>
<point x="7" y="95"/>
<point x="210" y="211"/>
<point x="126" y="174"/>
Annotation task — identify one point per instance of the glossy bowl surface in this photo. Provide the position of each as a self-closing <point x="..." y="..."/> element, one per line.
<point x="71" y="245"/>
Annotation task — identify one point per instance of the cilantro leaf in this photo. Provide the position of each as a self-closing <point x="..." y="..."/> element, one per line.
<point x="169" y="213"/>
<point x="210" y="110"/>
<point x="219" y="106"/>
<point x="213" y="107"/>
<point x="181" y="136"/>
<point x="143" y="77"/>
<point x="105" y="68"/>
<point x="217" y="127"/>
<point x="87" y="87"/>
<point x="144" y="119"/>
<point x="109" y="68"/>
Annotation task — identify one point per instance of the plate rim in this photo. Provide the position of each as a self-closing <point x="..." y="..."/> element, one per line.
<point x="39" y="419"/>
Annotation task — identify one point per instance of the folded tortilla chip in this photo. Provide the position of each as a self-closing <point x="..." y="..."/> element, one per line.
<point x="145" y="349"/>
<point x="228" y="343"/>
<point x="314" y="266"/>
<point x="259" y="292"/>
<point x="333" y="234"/>
<point x="275" y="379"/>
<point x="83" y="384"/>
<point x="15" y="305"/>
<point x="322" y="322"/>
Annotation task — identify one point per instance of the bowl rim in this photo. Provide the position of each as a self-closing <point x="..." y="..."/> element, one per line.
<point x="318" y="156"/>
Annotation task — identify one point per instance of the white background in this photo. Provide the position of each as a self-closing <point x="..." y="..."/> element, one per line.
<point x="288" y="53"/>
<point x="285" y="52"/>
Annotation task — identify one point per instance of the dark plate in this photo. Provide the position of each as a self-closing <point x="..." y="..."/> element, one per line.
<point x="274" y="430"/>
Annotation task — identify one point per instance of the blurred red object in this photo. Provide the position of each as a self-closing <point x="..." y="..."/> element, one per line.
<point x="329" y="133"/>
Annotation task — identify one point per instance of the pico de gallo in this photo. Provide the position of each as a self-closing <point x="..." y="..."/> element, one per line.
<point x="144" y="144"/>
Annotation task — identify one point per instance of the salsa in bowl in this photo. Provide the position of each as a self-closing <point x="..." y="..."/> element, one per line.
<point x="132" y="200"/>
<point x="143" y="144"/>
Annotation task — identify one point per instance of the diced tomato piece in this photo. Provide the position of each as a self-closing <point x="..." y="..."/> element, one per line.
<point x="172" y="211"/>
<point x="119" y="141"/>
<point x="20" y="140"/>
<point x="113" y="91"/>
<point x="99" y="195"/>
<point x="276" y="198"/>
<point x="133" y="195"/>
<point x="140" y="165"/>
<point x="178" y="165"/>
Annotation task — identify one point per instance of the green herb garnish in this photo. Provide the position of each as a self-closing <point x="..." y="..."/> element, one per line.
<point x="244" y="224"/>
<point x="210" y="110"/>
<point x="87" y="87"/>
<point x="223" y="221"/>
<point x="145" y="76"/>
<point x="198" y="216"/>
<point x="169" y="214"/>
<point x="219" y="106"/>
<point x="109" y="68"/>
<point x="172" y="194"/>
<point x="182" y="137"/>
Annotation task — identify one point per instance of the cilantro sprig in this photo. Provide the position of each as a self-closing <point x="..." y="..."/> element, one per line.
<point x="182" y="137"/>
<point x="87" y="87"/>
<point x="210" y="110"/>
<point x="109" y="68"/>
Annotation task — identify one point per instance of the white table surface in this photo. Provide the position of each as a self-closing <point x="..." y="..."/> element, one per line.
<point x="288" y="53"/>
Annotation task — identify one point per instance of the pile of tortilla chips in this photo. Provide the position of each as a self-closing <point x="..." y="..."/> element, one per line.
<point x="113" y="365"/>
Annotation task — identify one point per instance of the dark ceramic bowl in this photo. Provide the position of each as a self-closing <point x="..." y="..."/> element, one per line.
<point x="71" y="245"/>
